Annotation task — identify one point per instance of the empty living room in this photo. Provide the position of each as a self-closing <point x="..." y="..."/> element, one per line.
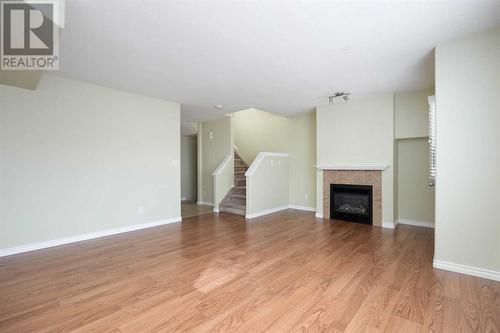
<point x="249" y="166"/>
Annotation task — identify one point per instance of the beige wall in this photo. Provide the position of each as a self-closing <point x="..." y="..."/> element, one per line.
<point x="468" y="152"/>
<point x="217" y="142"/>
<point x="302" y="151"/>
<point x="188" y="168"/>
<point x="361" y="131"/>
<point x="21" y="79"/>
<point x="256" y="131"/>
<point x="223" y="178"/>
<point x="77" y="158"/>
<point x="259" y="131"/>
<point x="267" y="184"/>
<point x="411" y="114"/>
<point x="415" y="198"/>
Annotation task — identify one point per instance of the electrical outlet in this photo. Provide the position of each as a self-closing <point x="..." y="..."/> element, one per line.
<point x="140" y="210"/>
<point x="306" y="196"/>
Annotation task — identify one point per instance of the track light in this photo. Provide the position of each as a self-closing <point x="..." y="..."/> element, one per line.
<point x="339" y="94"/>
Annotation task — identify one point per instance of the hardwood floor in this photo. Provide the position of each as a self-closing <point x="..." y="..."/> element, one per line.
<point x="190" y="209"/>
<point x="287" y="272"/>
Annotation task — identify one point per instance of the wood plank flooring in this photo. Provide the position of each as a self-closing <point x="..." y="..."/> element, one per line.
<point x="190" y="209"/>
<point x="287" y="272"/>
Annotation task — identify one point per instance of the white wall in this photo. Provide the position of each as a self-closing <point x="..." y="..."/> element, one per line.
<point x="468" y="152"/>
<point x="188" y="168"/>
<point x="77" y="158"/>
<point x="361" y="131"/>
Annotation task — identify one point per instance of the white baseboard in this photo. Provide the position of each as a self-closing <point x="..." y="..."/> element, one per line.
<point x="184" y="199"/>
<point x="216" y="209"/>
<point x="205" y="203"/>
<point x="79" y="238"/>
<point x="319" y="215"/>
<point x="468" y="270"/>
<point x="277" y="209"/>
<point x="415" y="223"/>
<point x="389" y="225"/>
<point x="265" y="212"/>
<point x="307" y="209"/>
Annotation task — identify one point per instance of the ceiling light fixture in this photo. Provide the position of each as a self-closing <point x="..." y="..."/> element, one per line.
<point x="218" y="107"/>
<point x="339" y="94"/>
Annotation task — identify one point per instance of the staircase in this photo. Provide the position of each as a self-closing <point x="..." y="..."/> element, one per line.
<point x="235" y="200"/>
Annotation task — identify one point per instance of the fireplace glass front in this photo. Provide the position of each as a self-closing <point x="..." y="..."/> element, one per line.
<point x="351" y="203"/>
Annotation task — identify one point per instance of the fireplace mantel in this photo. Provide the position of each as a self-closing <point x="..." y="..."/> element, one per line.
<point x="367" y="167"/>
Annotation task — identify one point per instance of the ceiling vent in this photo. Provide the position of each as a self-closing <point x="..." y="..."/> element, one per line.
<point x="338" y="96"/>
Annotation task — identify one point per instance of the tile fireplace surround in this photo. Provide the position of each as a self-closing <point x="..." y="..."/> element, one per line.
<point x="355" y="177"/>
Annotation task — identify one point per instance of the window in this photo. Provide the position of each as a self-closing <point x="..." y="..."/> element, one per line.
<point x="432" y="140"/>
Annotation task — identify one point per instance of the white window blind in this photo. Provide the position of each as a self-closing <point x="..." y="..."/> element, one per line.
<point x="432" y="140"/>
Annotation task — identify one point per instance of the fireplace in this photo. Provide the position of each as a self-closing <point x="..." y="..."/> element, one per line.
<point x="351" y="203"/>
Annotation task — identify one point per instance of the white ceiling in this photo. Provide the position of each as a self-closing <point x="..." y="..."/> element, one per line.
<point x="279" y="56"/>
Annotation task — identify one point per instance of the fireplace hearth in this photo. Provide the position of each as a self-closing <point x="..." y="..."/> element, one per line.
<point x="351" y="203"/>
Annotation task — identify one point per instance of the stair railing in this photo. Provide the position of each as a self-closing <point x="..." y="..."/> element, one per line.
<point x="223" y="180"/>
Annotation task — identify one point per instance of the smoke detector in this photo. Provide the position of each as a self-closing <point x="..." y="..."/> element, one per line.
<point x="339" y="95"/>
